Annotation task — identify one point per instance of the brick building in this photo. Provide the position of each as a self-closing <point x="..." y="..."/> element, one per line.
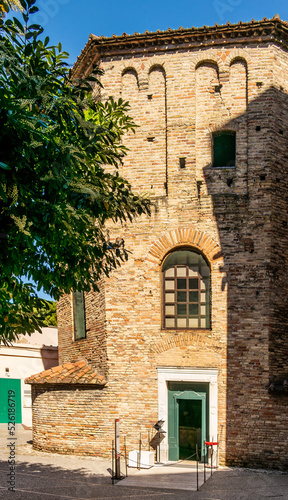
<point x="193" y="328"/>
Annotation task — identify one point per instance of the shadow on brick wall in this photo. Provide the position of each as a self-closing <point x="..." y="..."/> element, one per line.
<point x="250" y="203"/>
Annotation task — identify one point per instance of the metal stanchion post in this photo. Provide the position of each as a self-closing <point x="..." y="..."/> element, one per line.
<point x="197" y="460"/>
<point x="117" y="449"/>
<point x="113" y="474"/>
<point x="125" y="451"/>
<point x="211" y="459"/>
<point x="139" y="455"/>
<point x="204" y="463"/>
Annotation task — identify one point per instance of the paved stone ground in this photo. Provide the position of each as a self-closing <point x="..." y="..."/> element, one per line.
<point x="52" y="476"/>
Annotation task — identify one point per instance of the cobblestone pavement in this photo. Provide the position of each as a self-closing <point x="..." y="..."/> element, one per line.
<point x="48" y="476"/>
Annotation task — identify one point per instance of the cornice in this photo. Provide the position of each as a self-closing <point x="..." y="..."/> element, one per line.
<point x="267" y="30"/>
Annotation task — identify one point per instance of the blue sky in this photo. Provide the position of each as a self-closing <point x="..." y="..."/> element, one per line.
<point x="70" y="21"/>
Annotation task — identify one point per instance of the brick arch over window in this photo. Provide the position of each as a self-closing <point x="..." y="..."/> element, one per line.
<point x="186" y="236"/>
<point x="157" y="67"/>
<point x="130" y="85"/>
<point x="238" y="55"/>
<point x="209" y="58"/>
<point x="130" y="71"/>
<point x="155" y="62"/>
<point x="157" y="80"/>
<point x="196" y="339"/>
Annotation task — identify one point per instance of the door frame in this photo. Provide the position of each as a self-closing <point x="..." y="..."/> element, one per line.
<point x="193" y="375"/>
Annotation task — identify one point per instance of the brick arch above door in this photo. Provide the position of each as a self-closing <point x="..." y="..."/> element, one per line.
<point x="190" y="236"/>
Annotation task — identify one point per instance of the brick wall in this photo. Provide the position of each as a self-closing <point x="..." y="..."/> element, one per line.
<point x="93" y="347"/>
<point x="236" y="217"/>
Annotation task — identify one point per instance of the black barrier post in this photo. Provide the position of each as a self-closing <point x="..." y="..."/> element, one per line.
<point x="112" y="462"/>
<point x="125" y="451"/>
<point x="117" y="449"/>
<point x="139" y="454"/>
<point x="204" y="463"/>
<point x="211" y="459"/>
<point x="197" y="459"/>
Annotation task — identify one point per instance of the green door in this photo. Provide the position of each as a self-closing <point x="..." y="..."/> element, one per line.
<point x="186" y="423"/>
<point x="10" y="401"/>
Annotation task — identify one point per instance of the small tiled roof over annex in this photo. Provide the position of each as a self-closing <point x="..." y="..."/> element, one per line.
<point x="69" y="373"/>
<point x="265" y="30"/>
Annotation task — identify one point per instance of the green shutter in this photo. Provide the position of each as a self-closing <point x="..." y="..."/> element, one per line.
<point x="224" y="149"/>
<point x="79" y="315"/>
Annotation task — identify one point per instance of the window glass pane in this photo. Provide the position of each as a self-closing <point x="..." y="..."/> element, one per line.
<point x="193" y="296"/>
<point x="193" y="271"/>
<point x="181" y="322"/>
<point x="193" y="322"/>
<point x="203" y="310"/>
<point x="204" y="323"/>
<point x="204" y="284"/>
<point x="181" y="309"/>
<point x="181" y="271"/>
<point x="184" y="257"/>
<point x="170" y="297"/>
<point x="181" y="296"/>
<point x="224" y="149"/>
<point x="169" y="273"/>
<point x="169" y="285"/>
<point x="181" y="284"/>
<point x="204" y="271"/>
<point x="203" y="296"/>
<point x="170" y="322"/>
<point x="193" y="309"/>
<point x="193" y="284"/>
<point x="170" y="310"/>
<point x="194" y="258"/>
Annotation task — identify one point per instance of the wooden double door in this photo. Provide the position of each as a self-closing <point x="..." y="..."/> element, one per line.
<point x="187" y="419"/>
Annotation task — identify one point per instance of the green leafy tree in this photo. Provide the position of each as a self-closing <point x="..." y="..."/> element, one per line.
<point x="48" y="316"/>
<point x="55" y="193"/>
<point x="5" y="6"/>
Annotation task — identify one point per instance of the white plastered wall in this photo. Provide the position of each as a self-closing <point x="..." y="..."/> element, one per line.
<point x="30" y="355"/>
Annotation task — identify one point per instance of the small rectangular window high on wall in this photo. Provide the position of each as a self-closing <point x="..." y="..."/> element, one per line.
<point x="224" y="149"/>
<point x="79" y="315"/>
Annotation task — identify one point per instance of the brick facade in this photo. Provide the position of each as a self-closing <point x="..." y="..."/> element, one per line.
<point x="183" y="86"/>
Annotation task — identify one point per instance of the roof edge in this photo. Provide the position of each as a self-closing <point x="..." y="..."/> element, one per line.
<point x="77" y="373"/>
<point x="274" y="28"/>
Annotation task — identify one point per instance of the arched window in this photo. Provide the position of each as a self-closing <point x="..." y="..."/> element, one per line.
<point x="186" y="290"/>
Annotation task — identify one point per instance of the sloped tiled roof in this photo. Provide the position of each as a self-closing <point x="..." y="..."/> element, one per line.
<point x="254" y="31"/>
<point x="69" y="373"/>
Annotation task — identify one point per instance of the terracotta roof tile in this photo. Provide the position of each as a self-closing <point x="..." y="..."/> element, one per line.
<point x="209" y="35"/>
<point x="69" y="373"/>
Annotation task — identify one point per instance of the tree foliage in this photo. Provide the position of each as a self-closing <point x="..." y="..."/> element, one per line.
<point x="48" y="316"/>
<point x="6" y="5"/>
<point x="55" y="194"/>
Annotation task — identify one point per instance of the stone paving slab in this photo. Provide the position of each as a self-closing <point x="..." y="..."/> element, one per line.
<point x="169" y="476"/>
<point x="48" y="476"/>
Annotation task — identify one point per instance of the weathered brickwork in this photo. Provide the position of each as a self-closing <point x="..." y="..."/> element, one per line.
<point x="183" y="86"/>
<point x="93" y="347"/>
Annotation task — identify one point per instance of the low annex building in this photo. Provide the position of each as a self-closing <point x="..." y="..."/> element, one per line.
<point x="193" y="328"/>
